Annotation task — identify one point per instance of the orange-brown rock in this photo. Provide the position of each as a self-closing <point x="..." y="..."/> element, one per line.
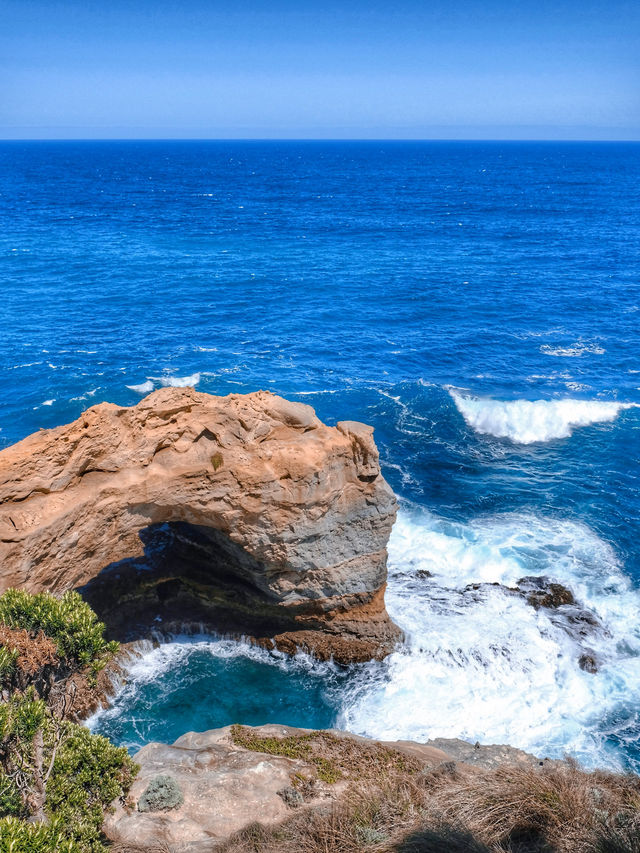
<point x="243" y="514"/>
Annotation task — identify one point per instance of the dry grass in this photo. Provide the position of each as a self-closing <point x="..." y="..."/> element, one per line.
<point x="394" y="804"/>
<point x="333" y="757"/>
<point x="34" y="651"/>
<point x="560" y="808"/>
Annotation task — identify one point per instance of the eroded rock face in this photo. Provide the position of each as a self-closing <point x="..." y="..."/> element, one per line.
<point x="244" y="513"/>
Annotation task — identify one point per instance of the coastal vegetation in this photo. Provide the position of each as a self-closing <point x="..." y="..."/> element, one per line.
<point x="56" y="778"/>
<point x="333" y="757"/>
<point x="392" y="802"/>
<point x="404" y="806"/>
<point x="64" y="789"/>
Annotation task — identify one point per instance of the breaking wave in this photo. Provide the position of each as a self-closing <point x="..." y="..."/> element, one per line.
<point x="166" y="382"/>
<point x="479" y="661"/>
<point x="178" y="381"/>
<point x="529" y="421"/>
<point x="143" y="388"/>
<point x="483" y="664"/>
<point x="199" y="683"/>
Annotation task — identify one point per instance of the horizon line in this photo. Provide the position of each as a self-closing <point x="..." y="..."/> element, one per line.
<point x="313" y="139"/>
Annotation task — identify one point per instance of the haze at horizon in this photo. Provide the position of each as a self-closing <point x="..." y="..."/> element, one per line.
<point x="479" y="70"/>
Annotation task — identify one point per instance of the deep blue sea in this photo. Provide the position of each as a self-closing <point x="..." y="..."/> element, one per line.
<point x="477" y="303"/>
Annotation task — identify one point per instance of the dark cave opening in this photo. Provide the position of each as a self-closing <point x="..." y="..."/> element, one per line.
<point x="190" y="579"/>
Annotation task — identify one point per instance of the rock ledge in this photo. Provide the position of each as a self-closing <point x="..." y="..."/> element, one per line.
<point x="225" y="786"/>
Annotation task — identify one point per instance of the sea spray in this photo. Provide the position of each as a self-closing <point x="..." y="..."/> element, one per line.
<point x="142" y="388"/>
<point x="484" y="664"/>
<point x="202" y="682"/>
<point x="479" y="661"/>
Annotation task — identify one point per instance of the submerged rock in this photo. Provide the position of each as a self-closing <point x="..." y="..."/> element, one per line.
<point x="588" y="663"/>
<point x="242" y="514"/>
<point x="563" y="610"/>
<point x="543" y="592"/>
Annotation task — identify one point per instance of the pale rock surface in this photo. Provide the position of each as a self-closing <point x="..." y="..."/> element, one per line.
<point x="225" y="788"/>
<point x="240" y="514"/>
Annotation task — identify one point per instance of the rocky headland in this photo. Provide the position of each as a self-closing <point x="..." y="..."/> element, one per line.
<point x="242" y="514"/>
<point x="276" y="789"/>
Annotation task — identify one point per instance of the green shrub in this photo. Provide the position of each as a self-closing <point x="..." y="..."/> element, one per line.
<point x="20" y="718"/>
<point x="56" y="778"/>
<point x="10" y="800"/>
<point x="8" y="659"/>
<point x="89" y="773"/>
<point x="68" y="620"/>
<point x="162" y="794"/>
<point x="16" y="836"/>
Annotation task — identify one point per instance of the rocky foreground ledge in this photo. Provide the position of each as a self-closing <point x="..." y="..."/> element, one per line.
<point x="241" y="514"/>
<point x="191" y="796"/>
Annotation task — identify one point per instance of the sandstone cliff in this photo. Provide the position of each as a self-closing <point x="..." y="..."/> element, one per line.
<point x="244" y="513"/>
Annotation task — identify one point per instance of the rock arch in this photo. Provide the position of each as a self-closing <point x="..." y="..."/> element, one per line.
<point x="265" y="521"/>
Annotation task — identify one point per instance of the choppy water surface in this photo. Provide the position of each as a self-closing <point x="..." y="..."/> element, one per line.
<point x="477" y="303"/>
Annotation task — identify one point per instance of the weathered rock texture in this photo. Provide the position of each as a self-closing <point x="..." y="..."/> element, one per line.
<point x="244" y="513"/>
<point x="225" y="787"/>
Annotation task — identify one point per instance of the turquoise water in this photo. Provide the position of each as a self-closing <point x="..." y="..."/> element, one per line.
<point x="477" y="303"/>
<point x="196" y="684"/>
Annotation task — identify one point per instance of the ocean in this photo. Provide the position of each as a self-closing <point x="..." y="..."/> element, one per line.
<point x="477" y="303"/>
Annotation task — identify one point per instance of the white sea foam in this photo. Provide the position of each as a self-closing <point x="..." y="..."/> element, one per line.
<point x="142" y="388"/>
<point x="485" y="665"/>
<point x="575" y="350"/>
<point x="577" y="386"/>
<point x="178" y="381"/>
<point x="49" y="402"/>
<point x="84" y="396"/>
<point x="155" y="663"/>
<point x="317" y="393"/>
<point x="528" y="421"/>
<point x="480" y="663"/>
<point x="26" y="364"/>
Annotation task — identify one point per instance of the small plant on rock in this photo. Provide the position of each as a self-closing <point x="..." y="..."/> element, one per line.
<point x="162" y="794"/>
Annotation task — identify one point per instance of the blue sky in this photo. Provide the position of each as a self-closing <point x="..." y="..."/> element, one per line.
<point x="284" y="69"/>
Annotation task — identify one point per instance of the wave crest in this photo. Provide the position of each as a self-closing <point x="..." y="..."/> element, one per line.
<point x="178" y="381"/>
<point x="143" y="388"/>
<point x="573" y="350"/>
<point x="166" y="382"/>
<point x="529" y="421"/>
